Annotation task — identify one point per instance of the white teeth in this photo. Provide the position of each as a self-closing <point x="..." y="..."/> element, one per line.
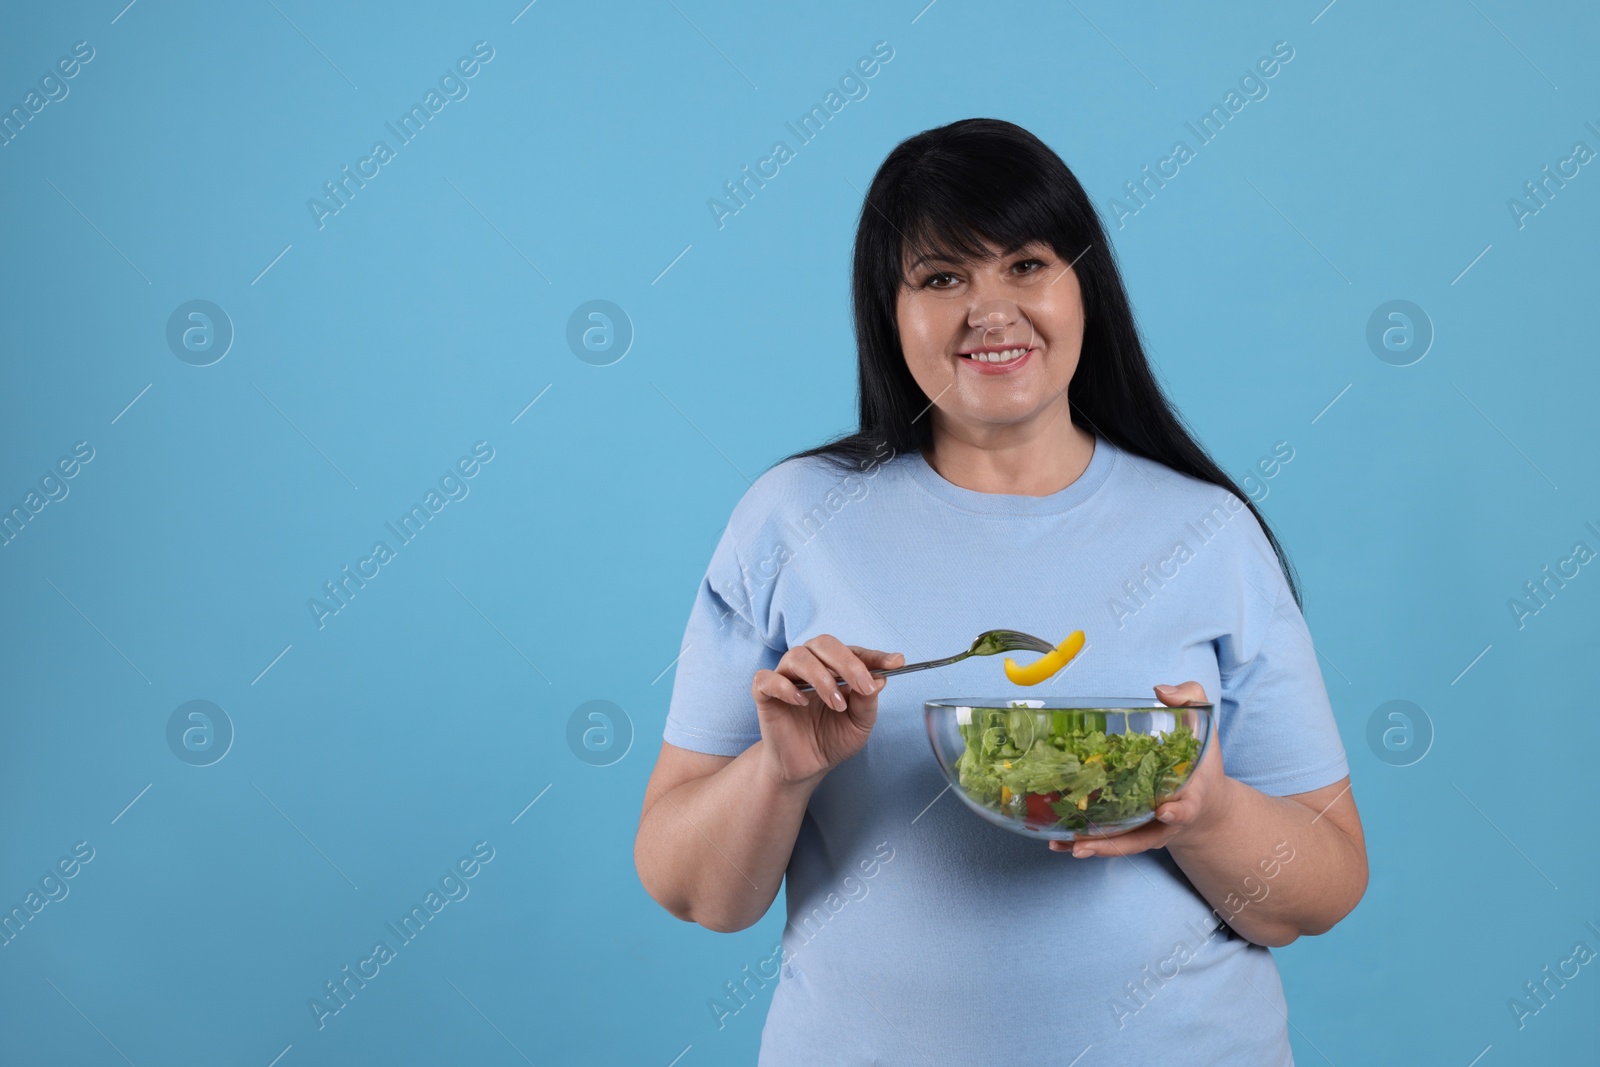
<point x="1000" y="357"/>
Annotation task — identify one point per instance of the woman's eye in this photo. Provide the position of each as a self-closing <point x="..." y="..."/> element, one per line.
<point x="928" y="282"/>
<point x="1039" y="264"/>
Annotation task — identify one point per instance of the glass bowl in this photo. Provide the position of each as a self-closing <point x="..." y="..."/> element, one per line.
<point x="1064" y="768"/>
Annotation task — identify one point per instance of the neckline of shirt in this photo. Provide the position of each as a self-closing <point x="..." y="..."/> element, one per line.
<point x="1101" y="463"/>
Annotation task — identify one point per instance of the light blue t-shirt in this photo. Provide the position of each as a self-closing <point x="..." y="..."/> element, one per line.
<point x="919" y="933"/>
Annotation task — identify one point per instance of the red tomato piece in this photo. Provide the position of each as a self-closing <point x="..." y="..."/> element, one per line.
<point x="1039" y="807"/>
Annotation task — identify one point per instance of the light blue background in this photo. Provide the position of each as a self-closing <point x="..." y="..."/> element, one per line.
<point x="428" y="313"/>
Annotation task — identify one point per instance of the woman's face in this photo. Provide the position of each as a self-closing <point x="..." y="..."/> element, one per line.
<point x="1028" y="300"/>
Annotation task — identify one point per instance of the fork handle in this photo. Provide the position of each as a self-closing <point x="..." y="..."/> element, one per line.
<point x="907" y="669"/>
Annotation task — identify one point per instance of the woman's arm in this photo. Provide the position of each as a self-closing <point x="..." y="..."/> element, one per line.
<point x="716" y="834"/>
<point x="1273" y="868"/>
<point x="1278" y="867"/>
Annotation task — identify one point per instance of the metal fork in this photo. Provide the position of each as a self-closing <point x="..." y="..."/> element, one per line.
<point x="988" y="643"/>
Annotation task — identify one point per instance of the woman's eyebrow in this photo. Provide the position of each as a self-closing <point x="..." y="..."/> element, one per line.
<point x="935" y="258"/>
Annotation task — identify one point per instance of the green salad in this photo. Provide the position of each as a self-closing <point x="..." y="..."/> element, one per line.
<point x="1060" y="768"/>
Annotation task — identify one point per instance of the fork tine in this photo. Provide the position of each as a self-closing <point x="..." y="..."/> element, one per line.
<point x="1021" y="640"/>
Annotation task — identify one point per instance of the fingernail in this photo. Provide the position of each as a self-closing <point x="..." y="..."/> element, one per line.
<point x="1082" y="852"/>
<point x="1165" y="816"/>
<point x="1164" y="688"/>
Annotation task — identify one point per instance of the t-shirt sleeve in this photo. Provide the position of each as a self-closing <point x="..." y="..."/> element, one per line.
<point x="1275" y="720"/>
<point x="711" y="709"/>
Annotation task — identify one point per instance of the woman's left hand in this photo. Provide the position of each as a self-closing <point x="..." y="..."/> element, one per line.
<point x="1200" y="805"/>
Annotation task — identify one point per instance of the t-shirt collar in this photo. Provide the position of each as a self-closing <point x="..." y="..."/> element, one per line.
<point x="1094" y="475"/>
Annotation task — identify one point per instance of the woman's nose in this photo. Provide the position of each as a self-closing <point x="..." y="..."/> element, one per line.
<point x="994" y="319"/>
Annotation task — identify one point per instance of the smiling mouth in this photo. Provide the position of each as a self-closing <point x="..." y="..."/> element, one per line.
<point x="992" y="355"/>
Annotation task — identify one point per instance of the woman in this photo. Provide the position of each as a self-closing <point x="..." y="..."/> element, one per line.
<point x="1016" y="466"/>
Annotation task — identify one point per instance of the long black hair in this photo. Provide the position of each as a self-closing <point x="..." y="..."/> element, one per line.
<point x="949" y="191"/>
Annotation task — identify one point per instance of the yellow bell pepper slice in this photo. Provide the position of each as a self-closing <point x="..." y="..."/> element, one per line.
<point x="1005" y="795"/>
<point x="1048" y="664"/>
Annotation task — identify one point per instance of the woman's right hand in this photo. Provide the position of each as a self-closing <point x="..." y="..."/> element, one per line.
<point x="806" y="735"/>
